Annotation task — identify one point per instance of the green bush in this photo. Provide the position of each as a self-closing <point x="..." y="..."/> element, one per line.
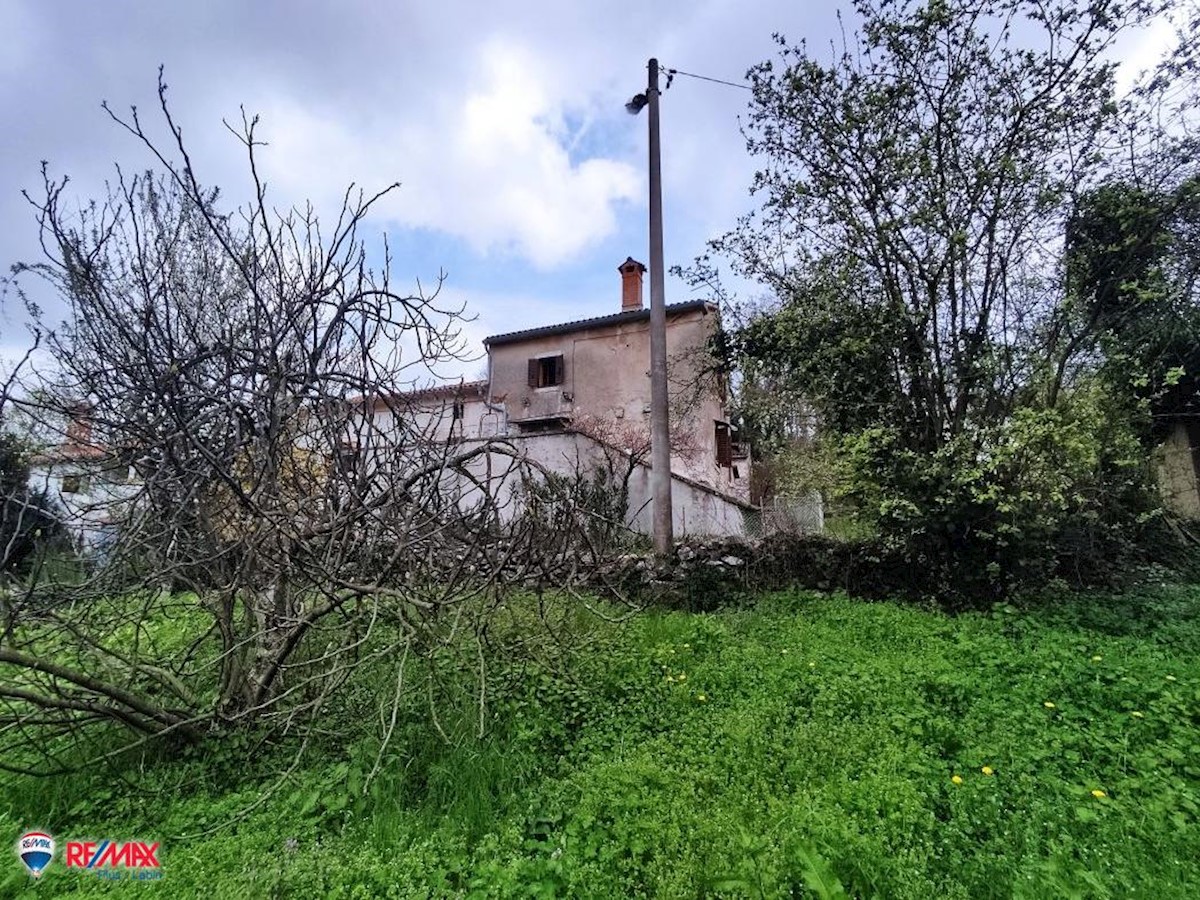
<point x="1062" y="492"/>
<point x="29" y="519"/>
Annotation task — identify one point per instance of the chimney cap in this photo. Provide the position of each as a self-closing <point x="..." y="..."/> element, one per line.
<point x="630" y="265"/>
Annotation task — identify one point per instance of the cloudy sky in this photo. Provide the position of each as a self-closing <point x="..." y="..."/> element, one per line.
<point x="521" y="175"/>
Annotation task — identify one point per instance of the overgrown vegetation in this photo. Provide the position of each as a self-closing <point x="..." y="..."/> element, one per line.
<point x="29" y="527"/>
<point x="328" y="655"/>
<point x="980" y="265"/>
<point x="808" y="747"/>
<point x="254" y="378"/>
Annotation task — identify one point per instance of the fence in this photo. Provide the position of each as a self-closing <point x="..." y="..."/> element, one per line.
<point x="792" y="515"/>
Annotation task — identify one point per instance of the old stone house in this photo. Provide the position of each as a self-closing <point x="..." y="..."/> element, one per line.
<point x="567" y="397"/>
<point x="88" y="483"/>
<point x="565" y="393"/>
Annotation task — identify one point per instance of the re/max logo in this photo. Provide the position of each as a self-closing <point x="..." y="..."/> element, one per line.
<point x="128" y="855"/>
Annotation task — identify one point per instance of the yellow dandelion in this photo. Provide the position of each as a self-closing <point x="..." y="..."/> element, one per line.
<point x="1048" y="705"/>
<point x="1099" y="794"/>
<point x="701" y="698"/>
<point x="956" y="779"/>
<point x="1097" y="658"/>
<point x="682" y="676"/>
<point x="988" y="770"/>
<point x="1138" y="714"/>
<point x="812" y="665"/>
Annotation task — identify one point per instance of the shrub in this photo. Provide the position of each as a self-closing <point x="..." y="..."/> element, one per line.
<point x="1051" y="492"/>
<point x="28" y="519"/>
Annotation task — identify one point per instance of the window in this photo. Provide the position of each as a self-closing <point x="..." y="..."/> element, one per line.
<point x="546" y="371"/>
<point x="347" y="460"/>
<point x="74" y="484"/>
<point x="724" y="444"/>
<point x="457" y="412"/>
<point x="544" y="425"/>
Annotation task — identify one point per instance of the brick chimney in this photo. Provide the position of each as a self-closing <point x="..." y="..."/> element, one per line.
<point x="79" y="425"/>
<point x="631" y="284"/>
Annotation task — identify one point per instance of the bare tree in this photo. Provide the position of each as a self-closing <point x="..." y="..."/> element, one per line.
<point x="291" y="508"/>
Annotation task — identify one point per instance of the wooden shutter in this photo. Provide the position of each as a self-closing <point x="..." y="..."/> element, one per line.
<point x="560" y="370"/>
<point x="724" y="445"/>
<point x="533" y="373"/>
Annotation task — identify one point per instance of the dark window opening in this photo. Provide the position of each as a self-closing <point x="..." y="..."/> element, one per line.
<point x="546" y="371"/>
<point x="457" y="413"/>
<point x="74" y="484"/>
<point x="348" y="460"/>
<point x="543" y="426"/>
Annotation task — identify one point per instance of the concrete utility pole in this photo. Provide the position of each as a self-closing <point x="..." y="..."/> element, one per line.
<point x="660" y="423"/>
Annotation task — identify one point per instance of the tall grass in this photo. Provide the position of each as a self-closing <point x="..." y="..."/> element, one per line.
<point x="812" y="746"/>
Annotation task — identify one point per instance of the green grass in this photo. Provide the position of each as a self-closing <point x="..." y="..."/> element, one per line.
<point x="819" y="763"/>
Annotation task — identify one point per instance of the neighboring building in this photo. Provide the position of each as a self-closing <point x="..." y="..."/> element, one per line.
<point x="87" y="482"/>
<point x="441" y="414"/>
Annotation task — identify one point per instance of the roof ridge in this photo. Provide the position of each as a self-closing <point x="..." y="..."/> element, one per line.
<point x="632" y="315"/>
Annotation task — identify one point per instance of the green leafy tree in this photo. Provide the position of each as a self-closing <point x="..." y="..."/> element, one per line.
<point x="914" y="194"/>
<point x="1134" y="260"/>
<point x="915" y="191"/>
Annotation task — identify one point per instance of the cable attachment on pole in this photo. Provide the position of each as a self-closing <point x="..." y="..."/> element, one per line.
<point x="671" y="73"/>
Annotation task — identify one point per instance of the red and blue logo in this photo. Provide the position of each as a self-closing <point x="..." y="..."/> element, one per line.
<point x="35" y="850"/>
<point x="112" y="855"/>
<point x="111" y="860"/>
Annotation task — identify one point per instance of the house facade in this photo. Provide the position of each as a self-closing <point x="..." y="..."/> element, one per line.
<point x="594" y="375"/>
<point x="565" y="393"/>
<point x="567" y="397"/>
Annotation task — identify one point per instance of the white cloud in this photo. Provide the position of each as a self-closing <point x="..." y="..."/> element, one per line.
<point x="1140" y="51"/>
<point x="491" y="165"/>
<point x="503" y="123"/>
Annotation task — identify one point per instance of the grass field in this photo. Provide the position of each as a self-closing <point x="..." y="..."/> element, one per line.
<point x="811" y="746"/>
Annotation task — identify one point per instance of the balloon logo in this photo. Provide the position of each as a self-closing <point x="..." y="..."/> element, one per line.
<point x="35" y="849"/>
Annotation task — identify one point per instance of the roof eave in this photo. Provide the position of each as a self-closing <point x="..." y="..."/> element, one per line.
<point x="621" y="318"/>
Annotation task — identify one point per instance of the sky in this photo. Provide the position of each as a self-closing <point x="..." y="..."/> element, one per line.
<point x="522" y="177"/>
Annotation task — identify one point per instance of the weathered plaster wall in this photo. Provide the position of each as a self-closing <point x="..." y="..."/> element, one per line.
<point x="696" y="510"/>
<point x="1177" y="473"/>
<point x="432" y="419"/>
<point x="606" y="376"/>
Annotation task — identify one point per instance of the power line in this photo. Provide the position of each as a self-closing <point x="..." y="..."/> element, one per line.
<point x="744" y="87"/>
